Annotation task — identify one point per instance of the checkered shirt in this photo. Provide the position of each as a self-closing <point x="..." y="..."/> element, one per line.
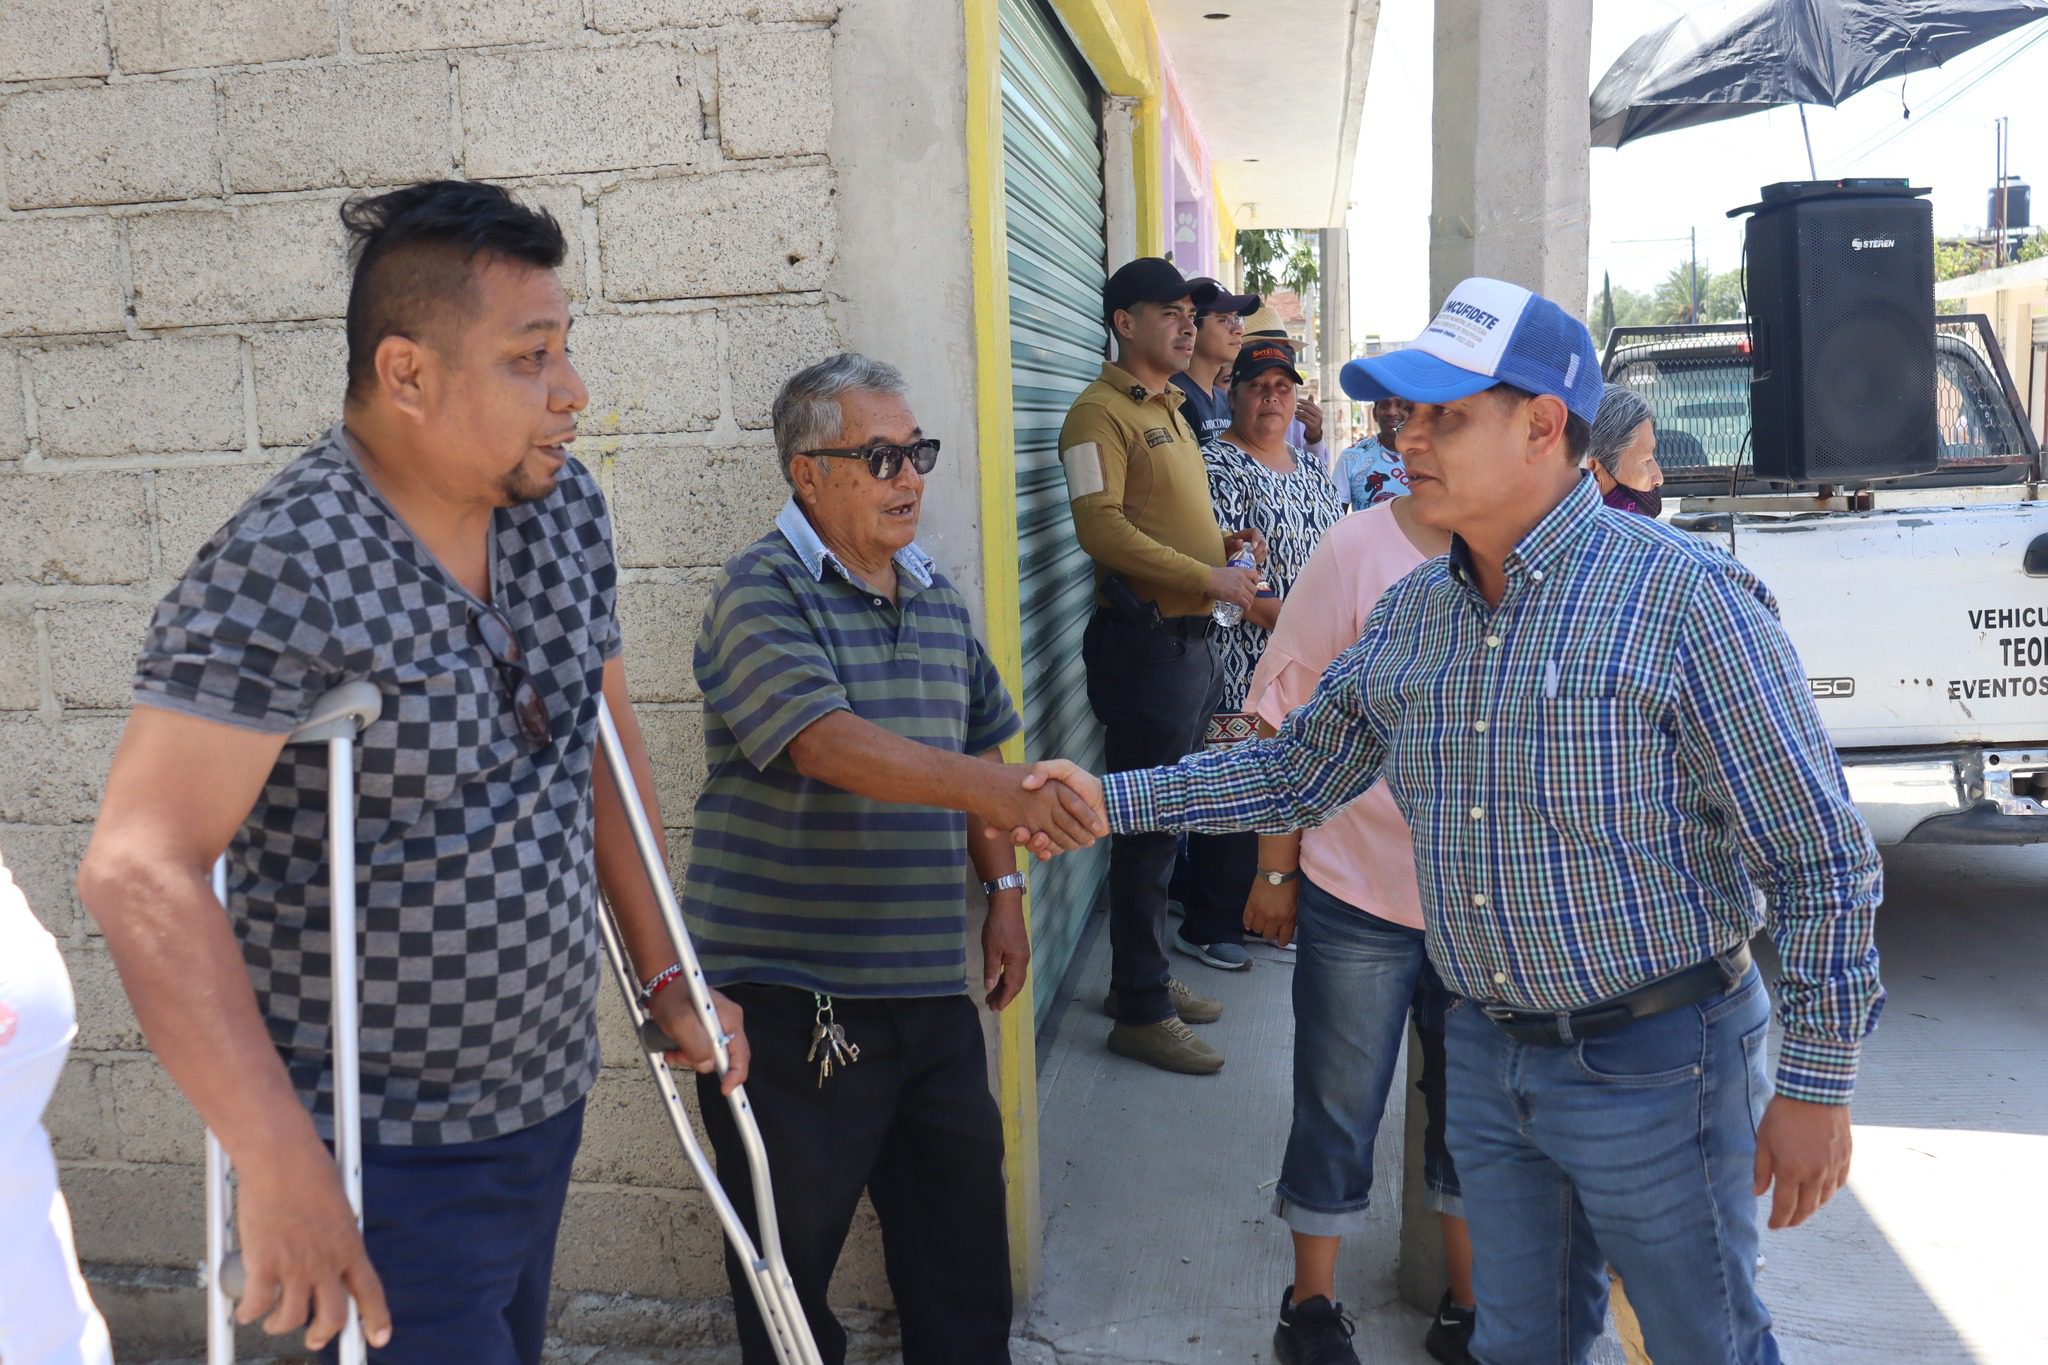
<point x="1597" y="773"/>
<point x="476" y="881"/>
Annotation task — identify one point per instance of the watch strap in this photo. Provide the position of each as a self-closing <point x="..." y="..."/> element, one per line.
<point x="1006" y="882"/>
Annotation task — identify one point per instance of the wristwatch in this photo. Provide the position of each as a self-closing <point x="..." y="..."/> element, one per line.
<point x="1279" y="878"/>
<point x="1003" y="883"/>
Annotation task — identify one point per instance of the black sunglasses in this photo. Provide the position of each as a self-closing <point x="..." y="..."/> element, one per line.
<point x="885" y="462"/>
<point x="527" y="707"/>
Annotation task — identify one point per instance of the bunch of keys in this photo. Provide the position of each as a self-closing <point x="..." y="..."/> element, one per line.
<point x="829" y="1042"/>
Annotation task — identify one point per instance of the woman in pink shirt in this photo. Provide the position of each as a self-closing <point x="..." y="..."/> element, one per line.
<point x="1346" y="895"/>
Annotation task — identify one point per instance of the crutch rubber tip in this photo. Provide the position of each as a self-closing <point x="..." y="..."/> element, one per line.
<point x="233" y="1280"/>
<point x="654" y="1039"/>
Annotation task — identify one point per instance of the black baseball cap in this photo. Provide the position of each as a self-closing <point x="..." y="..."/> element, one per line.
<point x="1211" y="297"/>
<point x="1258" y="357"/>
<point x="1149" y="279"/>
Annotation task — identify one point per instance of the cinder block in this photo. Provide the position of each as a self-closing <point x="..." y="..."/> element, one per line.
<point x="138" y="1215"/>
<point x="76" y="285"/>
<point x="73" y="528"/>
<point x="21" y="679"/>
<point x="648" y="371"/>
<point x="413" y="25"/>
<point x="311" y="128"/>
<point x="860" y="1281"/>
<point x="77" y="1119"/>
<point x="44" y="863"/>
<point x="565" y="204"/>
<point x="165" y="35"/>
<point x="764" y="345"/>
<point x="660" y="623"/>
<point x="92" y="650"/>
<point x="249" y="263"/>
<point x="110" y="144"/>
<point x="683" y="506"/>
<point x="191" y="504"/>
<point x="301" y="378"/>
<point x="51" y="772"/>
<point x="135" y="397"/>
<point x="550" y="112"/>
<point x="105" y="1021"/>
<point x="732" y="232"/>
<point x="675" y="746"/>
<point x="627" y="1138"/>
<point x="634" y="16"/>
<point x="775" y="93"/>
<point x="13" y="411"/>
<point x="152" y="1121"/>
<point x="628" y="1241"/>
<point x="42" y="39"/>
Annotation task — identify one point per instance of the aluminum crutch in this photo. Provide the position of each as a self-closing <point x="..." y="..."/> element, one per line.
<point x="336" y="720"/>
<point x="768" y="1272"/>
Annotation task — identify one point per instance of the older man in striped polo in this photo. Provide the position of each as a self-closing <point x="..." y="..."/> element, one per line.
<point x="849" y="716"/>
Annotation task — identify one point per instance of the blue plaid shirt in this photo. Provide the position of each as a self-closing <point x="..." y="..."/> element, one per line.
<point x="1597" y="774"/>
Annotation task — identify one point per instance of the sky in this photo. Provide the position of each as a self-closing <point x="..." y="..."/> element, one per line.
<point x="1665" y="186"/>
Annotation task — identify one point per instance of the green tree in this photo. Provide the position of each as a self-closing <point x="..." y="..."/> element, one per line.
<point x="1957" y="257"/>
<point x="1273" y="257"/>
<point x="2034" y="247"/>
<point x="1721" y="297"/>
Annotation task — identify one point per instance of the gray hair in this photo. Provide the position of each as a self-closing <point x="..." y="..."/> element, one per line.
<point x="1622" y="410"/>
<point x="806" y="412"/>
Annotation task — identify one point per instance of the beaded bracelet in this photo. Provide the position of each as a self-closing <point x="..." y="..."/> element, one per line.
<point x="659" y="980"/>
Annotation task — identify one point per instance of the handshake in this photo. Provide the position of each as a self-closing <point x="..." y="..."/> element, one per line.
<point x="1049" y="807"/>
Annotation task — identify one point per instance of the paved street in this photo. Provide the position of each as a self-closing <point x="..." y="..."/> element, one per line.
<point x="1160" y="1249"/>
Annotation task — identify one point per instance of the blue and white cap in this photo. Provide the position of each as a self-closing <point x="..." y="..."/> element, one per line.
<point x="1488" y="332"/>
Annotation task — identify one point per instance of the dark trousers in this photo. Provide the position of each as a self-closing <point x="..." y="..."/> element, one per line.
<point x="913" y="1123"/>
<point x="1153" y="691"/>
<point x="463" y="1238"/>
<point x="1220" y="872"/>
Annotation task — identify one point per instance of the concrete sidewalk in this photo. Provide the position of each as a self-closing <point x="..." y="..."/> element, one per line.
<point x="1161" y="1245"/>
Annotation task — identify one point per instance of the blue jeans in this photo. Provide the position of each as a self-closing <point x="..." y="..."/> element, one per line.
<point x="463" y="1238"/>
<point x="1357" y="977"/>
<point x="1635" y="1148"/>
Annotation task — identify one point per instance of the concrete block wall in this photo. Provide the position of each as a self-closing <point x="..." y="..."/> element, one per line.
<point x="170" y="312"/>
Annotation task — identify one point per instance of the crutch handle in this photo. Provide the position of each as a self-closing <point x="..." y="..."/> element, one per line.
<point x="343" y="711"/>
<point x="233" y="1277"/>
<point x="654" y="1038"/>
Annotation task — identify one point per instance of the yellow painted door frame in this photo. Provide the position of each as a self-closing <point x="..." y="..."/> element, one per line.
<point x="1118" y="41"/>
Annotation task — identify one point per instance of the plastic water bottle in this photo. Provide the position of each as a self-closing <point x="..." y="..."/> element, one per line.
<point x="1229" y="613"/>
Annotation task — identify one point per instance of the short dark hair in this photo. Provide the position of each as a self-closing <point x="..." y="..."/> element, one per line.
<point x="1578" y="432"/>
<point x="414" y="249"/>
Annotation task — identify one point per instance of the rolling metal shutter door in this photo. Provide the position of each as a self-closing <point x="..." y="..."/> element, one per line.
<point x="1052" y="195"/>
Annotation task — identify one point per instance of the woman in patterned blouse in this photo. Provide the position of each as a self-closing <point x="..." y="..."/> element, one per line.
<point x="1255" y="479"/>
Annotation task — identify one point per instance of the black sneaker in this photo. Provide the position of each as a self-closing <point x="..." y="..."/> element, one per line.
<point x="1313" y="1332"/>
<point x="1450" y="1333"/>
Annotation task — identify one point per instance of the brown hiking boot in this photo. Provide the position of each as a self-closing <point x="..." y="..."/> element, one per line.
<point x="1192" y="1008"/>
<point x="1169" y="1045"/>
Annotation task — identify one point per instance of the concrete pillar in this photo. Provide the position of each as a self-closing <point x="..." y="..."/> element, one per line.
<point x="1509" y="198"/>
<point x="1510" y="189"/>
<point x="1334" y="344"/>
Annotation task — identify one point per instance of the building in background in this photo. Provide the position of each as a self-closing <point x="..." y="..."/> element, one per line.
<point x="745" y="187"/>
<point x="2015" y="298"/>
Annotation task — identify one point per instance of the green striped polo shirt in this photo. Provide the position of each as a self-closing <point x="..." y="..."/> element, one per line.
<point x="796" y="882"/>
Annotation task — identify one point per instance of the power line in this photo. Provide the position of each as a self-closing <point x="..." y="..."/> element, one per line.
<point x="1943" y="101"/>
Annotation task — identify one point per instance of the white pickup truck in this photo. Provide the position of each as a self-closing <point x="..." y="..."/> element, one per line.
<point x="1920" y="607"/>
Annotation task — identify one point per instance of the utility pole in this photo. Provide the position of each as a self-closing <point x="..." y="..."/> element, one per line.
<point x="1695" y="234"/>
<point x="2000" y="134"/>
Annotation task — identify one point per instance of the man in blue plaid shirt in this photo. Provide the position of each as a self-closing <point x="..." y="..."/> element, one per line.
<point x="1605" y="747"/>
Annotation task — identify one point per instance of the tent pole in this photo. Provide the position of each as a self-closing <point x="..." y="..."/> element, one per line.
<point x="1811" y="173"/>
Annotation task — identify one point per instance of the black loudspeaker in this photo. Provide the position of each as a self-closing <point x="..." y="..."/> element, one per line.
<point x="1841" y="305"/>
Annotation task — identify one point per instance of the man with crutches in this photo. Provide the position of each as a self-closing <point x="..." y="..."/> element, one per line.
<point x="440" y="544"/>
<point x="849" y="715"/>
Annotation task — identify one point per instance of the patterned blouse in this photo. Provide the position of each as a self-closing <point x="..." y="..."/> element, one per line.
<point x="1292" y="511"/>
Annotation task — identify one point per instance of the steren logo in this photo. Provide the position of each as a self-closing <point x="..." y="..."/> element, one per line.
<point x="1871" y="243"/>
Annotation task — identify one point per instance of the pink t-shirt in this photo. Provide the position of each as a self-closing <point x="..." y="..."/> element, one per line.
<point x="1362" y="855"/>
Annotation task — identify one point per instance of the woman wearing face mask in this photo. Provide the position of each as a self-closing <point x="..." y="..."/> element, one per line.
<point x="1624" y="453"/>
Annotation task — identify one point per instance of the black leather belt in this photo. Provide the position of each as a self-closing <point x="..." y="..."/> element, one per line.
<point x="1189" y="627"/>
<point x="1686" y="987"/>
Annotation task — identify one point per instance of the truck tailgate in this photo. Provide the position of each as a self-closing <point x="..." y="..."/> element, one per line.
<point x="1917" y="626"/>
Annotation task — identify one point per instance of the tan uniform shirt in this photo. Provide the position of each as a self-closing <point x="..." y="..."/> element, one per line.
<point x="1140" y="493"/>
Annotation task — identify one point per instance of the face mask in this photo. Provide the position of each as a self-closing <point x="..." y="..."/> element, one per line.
<point x="1622" y="498"/>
